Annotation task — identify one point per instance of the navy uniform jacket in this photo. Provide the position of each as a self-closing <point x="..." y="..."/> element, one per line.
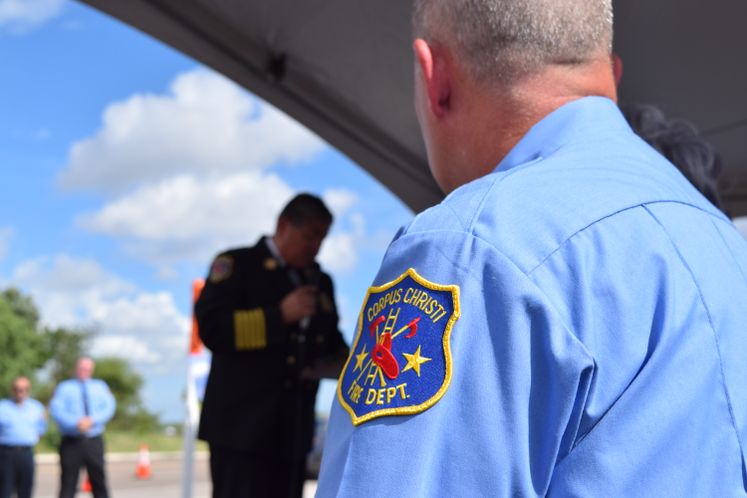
<point x="254" y="392"/>
<point x="573" y="324"/>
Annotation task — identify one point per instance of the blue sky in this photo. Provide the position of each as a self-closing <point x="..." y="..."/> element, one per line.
<point x="126" y="166"/>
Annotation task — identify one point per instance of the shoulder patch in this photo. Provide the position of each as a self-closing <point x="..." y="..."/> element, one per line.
<point x="221" y="268"/>
<point x="400" y="363"/>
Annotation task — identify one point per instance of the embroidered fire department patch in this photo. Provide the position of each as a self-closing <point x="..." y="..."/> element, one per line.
<point x="221" y="268"/>
<point x="401" y="361"/>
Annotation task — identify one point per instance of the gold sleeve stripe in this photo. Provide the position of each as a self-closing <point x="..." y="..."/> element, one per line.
<point x="250" y="329"/>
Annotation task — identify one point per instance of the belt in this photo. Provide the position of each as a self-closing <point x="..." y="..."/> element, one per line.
<point x="80" y="438"/>
<point x="9" y="447"/>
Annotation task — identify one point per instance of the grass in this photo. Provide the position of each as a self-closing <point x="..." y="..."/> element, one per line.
<point x="118" y="441"/>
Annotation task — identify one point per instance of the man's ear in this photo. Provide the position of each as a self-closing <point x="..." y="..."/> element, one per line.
<point x="281" y="226"/>
<point x="433" y="76"/>
<point x="617" y="68"/>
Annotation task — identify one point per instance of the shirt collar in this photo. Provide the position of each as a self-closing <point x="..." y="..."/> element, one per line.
<point x="273" y="248"/>
<point x="583" y="117"/>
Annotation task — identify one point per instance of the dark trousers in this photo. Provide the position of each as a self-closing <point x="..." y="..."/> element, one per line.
<point x="238" y="474"/>
<point x="75" y="452"/>
<point x="16" y="471"/>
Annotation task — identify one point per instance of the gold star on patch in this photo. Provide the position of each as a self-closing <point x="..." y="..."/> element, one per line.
<point x="414" y="361"/>
<point x="360" y="358"/>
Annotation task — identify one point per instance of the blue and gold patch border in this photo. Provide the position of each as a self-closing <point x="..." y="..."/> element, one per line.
<point x="408" y="410"/>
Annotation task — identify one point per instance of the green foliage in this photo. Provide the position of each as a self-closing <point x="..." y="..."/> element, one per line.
<point x="128" y="441"/>
<point x="22" y="306"/>
<point x="125" y="384"/>
<point x="26" y="347"/>
<point x="51" y="439"/>
<point x="63" y="347"/>
<point x="21" y="343"/>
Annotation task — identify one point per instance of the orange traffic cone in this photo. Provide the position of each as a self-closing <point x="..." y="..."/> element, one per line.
<point x="142" y="471"/>
<point x="86" y="488"/>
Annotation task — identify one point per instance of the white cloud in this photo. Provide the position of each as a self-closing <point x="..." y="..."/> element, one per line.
<point x="204" y="125"/>
<point x="184" y="219"/>
<point x="341" y="249"/>
<point x="741" y="224"/>
<point x="185" y="208"/>
<point x="188" y="219"/>
<point x="340" y="201"/>
<point x="145" y="328"/>
<point x="113" y="345"/>
<point x="6" y="234"/>
<point x="21" y="16"/>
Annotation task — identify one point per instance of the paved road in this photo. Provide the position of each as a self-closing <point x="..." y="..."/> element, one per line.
<point x="165" y="482"/>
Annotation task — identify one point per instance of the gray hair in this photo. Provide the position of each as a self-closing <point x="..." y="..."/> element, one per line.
<point x="505" y="39"/>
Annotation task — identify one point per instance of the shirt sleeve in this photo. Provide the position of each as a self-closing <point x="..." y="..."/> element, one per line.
<point x="41" y="421"/>
<point x="511" y="410"/>
<point x="231" y="320"/>
<point x="103" y="403"/>
<point x="3" y="418"/>
<point x="65" y="418"/>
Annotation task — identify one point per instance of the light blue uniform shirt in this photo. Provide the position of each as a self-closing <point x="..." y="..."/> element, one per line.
<point x="21" y="425"/>
<point x="67" y="407"/>
<point x="601" y="349"/>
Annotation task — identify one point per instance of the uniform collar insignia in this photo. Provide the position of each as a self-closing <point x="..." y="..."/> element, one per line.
<point x="271" y="264"/>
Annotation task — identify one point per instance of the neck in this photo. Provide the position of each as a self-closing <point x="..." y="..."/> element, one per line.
<point x="499" y="116"/>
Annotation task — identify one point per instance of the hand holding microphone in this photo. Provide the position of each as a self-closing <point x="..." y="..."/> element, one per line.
<point x="299" y="305"/>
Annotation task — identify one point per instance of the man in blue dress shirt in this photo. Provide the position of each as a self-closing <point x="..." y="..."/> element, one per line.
<point x="82" y="407"/>
<point x="572" y="319"/>
<point x="22" y="421"/>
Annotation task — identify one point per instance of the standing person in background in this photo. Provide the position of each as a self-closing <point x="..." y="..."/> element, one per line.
<point x="81" y="407"/>
<point x="22" y="421"/>
<point x="571" y="320"/>
<point x="268" y="315"/>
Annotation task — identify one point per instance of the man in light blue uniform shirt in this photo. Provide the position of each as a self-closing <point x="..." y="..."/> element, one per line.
<point x="22" y="421"/>
<point x="81" y="407"/>
<point x="572" y="319"/>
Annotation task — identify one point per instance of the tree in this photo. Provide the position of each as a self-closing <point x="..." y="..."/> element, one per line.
<point x="23" y="306"/>
<point x="26" y="347"/>
<point x="63" y="346"/>
<point x="21" y="343"/>
<point x="125" y="384"/>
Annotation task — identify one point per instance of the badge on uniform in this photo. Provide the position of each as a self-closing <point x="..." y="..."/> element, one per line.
<point x="221" y="268"/>
<point x="271" y="264"/>
<point x="401" y="361"/>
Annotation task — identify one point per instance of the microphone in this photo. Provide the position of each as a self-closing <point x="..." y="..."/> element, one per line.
<point x="312" y="276"/>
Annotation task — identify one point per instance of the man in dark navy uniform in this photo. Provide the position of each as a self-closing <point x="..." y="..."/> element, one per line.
<point x="268" y="315"/>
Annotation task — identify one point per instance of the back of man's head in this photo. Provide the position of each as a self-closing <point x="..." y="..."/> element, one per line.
<point x="503" y="40"/>
<point x="305" y="208"/>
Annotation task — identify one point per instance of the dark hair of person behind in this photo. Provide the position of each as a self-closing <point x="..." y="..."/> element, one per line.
<point x="678" y="141"/>
<point x="305" y="208"/>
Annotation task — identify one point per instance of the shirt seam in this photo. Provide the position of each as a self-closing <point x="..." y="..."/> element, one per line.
<point x="710" y="322"/>
<point x="494" y="182"/>
<point x="610" y="215"/>
<point x="567" y="328"/>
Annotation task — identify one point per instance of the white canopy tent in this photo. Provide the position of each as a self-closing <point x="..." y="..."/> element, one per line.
<point x="343" y="68"/>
